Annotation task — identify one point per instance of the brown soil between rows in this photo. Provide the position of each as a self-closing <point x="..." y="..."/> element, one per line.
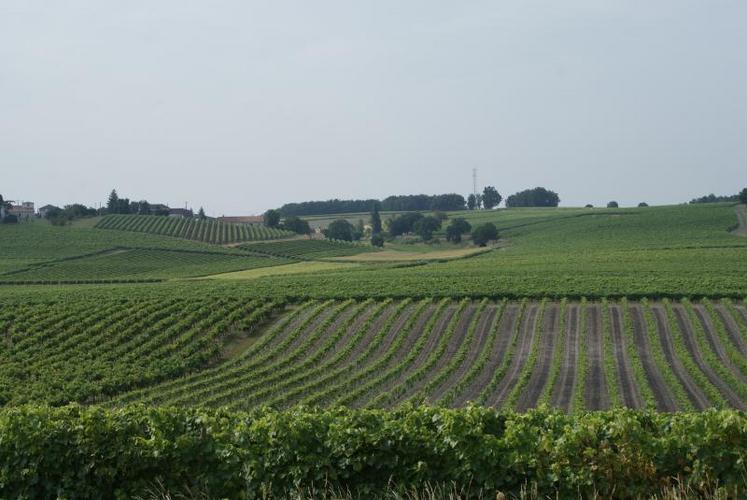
<point x="505" y="330"/>
<point x="596" y="396"/>
<point x="714" y="340"/>
<point x="359" y="364"/>
<point x="457" y="337"/>
<point x="662" y="393"/>
<point x="628" y="388"/>
<point x="693" y="391"/>
<point x="415" y="333"/>
<point x="526" y="339"/>
<point x="683" y="322"/>
<point x="433" y="338"/>
<point x="482" y="331"/>
<point x="541" y="370"/>
<point x="374" y="329"/>
<point x="320" y="336"/>
<point x="732" y="328"/>
<point x="562" y="393"/>
<point x="326" y="360"/>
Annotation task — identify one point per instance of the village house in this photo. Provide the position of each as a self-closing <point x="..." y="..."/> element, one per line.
<point x="180" y="212"/>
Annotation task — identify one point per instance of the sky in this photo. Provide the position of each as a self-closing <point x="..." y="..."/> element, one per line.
<point x="240" y="106"/>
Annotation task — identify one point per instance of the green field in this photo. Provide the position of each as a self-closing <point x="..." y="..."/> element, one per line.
<point x="620" y="321"/>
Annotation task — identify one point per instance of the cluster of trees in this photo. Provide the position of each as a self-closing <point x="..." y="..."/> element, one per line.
<point x="741" y="197"/>
<point x="273" y="218"/>
<point x="61" y="216"/>
<point x="488" y="199"/>
<point x="401" y="203"/>
<point x="5" y="217"/>
<point x="537" y="197"/>
<point x="117" y="205"/>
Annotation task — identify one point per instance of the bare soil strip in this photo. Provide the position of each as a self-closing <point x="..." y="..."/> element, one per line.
<point x="662" y="394"/>
<point x="597" y="396"/>
<point x="715" y="342"/>
<point x="415" y="333"/>
<point x="630" y="394"/>
<point x="482" y="331"/>
<point x="732" y="328"/>
<point x="541" y="371"/>
<point x="526" y="338"/>
<point x="562" y="393"/>
<point x="451" y="348"/>
<point x="683" y="322"/>
<point x="699" y="400"/>
<point x="505" y="330"/>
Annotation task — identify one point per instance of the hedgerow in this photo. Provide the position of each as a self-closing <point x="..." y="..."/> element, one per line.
<point x="76" y="452"/>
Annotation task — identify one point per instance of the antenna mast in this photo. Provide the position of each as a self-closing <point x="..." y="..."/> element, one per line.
<point x="474" y="181"/>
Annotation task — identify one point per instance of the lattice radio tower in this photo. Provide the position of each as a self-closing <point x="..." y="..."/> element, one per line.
<point x="474" y="181"/>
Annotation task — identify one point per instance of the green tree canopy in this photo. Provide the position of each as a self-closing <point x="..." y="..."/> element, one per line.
<point x="613" y="204"/>
<point x="456" y="229"/>
<point x="491" y="198"/>
<point x="340" y="229"/>
<point x="425" y="227"/>
<point x="743" y="196"/>
<point x="272" y="218"/>
<point x="537" y="197"/>
<point x="484" y="233"/>
<point x="471" y="202"/>
<point x="297" y="225"/>
<point x="375" y="220"/>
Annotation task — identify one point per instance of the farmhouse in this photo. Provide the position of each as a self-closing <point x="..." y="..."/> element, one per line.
<point x="180" y="212"/>
<point x="43" y="211"/>
<point x="23" y="210"/>
<point x="243" y="219"/>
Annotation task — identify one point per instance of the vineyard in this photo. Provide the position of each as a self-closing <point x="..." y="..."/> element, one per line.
<point x="207" y="231"/>
<point x="309" y="249"/>
<point x="241" y="353"/>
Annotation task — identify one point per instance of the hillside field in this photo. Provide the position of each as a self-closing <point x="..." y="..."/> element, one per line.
<point x="629" y="322"/>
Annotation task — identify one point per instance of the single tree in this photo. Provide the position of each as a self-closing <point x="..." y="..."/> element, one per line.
<point x="112" y="205"/>
<point x="143" y="207"/>
<point x="201" y="214"/>
<point x="426" y="226"/>
<point x="471" y="202"/>
<point x="484" y="233"/>
<point x="589" y="205"/>
<point x="491" y="197"/>
<point x="375" y="220"/>
<point x="613" y="204"/>
<point x="272" y="218"/>
<point x="478" y="201"/>
<point x="456" y="229"/>
<point x="743" y="196"/>
<point x="340" y="229"/>
<point x="642" y="204"/>
<point x="377" y="240"/>
<point x="297" y="225"/>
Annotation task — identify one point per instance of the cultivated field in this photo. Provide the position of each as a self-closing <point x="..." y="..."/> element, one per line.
<point x="208" y="231"/>
<point x="626" y="327"/>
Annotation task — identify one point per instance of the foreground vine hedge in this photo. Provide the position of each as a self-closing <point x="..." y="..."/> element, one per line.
<point x="83" y="452"/>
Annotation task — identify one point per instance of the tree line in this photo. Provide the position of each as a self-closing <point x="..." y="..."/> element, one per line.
<point x="488" y="199"/>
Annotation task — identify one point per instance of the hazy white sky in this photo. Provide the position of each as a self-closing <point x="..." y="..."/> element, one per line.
<point x="242" y="105"/>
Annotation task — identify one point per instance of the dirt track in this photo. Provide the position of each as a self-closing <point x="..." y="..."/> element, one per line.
<point x="741" y="211"/>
